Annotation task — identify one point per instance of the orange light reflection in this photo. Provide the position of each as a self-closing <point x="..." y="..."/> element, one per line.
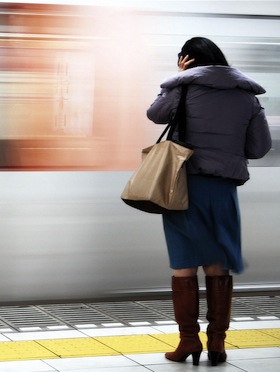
<point x="73" y="88"/>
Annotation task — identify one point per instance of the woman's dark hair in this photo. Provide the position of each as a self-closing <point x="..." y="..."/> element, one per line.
<point x="204" y="51"/>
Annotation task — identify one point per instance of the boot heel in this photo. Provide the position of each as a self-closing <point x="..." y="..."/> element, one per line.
<point x="214" y="357"/>
<point x="196" y="357"/>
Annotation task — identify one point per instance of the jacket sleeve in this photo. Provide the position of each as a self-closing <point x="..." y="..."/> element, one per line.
<point x="258" y="138"/>
<point x="164" y="107"/>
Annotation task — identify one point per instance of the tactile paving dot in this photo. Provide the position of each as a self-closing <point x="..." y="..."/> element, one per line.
<point x="169" y="339"/>
<point x="272" y="332"/>
<point x="21" y="350"/>
<point x="135" y="344"/>
<point x="77" y="347"/>
<point x="251" y="338"/>
<point x="174" y="339"/>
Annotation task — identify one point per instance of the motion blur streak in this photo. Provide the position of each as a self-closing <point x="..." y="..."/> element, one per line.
<point x="72" y="87"/>
<point x="75" y="81"/>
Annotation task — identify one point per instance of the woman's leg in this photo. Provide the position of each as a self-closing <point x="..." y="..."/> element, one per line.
<point x="219" y="295"/>
<point x="185" y="294"/>
<point x="185" y="272"/>
<point x="214" y="270"/>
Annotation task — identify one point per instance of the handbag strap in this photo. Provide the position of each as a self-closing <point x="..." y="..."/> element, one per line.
<point x="179" y="120"/>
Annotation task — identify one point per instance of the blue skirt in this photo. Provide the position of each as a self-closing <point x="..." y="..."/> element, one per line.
<point x="209" y="231"/>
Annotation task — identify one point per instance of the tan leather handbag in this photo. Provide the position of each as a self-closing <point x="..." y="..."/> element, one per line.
<point x="159" y="185"/>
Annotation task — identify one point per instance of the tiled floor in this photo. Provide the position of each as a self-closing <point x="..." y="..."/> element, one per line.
<point x="252" y="345"/>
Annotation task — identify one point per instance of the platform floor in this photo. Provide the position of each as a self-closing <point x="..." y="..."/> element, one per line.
<point x="131" y="336"/>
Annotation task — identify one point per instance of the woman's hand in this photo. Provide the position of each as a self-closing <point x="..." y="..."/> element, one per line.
<point x="184" y="63"/>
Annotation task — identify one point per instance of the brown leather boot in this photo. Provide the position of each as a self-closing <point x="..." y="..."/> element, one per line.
<point x="219" y="295"/>
<point x="186" y="308"/>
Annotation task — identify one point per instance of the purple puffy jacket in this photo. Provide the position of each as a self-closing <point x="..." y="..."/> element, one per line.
<point x="226" y="124"/>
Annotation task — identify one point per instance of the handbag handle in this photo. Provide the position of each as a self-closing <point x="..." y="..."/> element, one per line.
<point x="179" y="119"/>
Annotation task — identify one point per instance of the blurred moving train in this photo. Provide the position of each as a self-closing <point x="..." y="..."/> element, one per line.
<point x="75" y="83"/>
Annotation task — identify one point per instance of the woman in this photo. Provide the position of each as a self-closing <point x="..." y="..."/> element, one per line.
<point x="225" y="126"/>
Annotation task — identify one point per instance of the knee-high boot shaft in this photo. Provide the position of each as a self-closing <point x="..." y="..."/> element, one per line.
<point x="185" y="294"/>
<point x="219" y="295"/>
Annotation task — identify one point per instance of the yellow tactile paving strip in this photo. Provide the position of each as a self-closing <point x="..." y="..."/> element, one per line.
<point x="76" y="347"/>
<point x="134" y="344"/>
